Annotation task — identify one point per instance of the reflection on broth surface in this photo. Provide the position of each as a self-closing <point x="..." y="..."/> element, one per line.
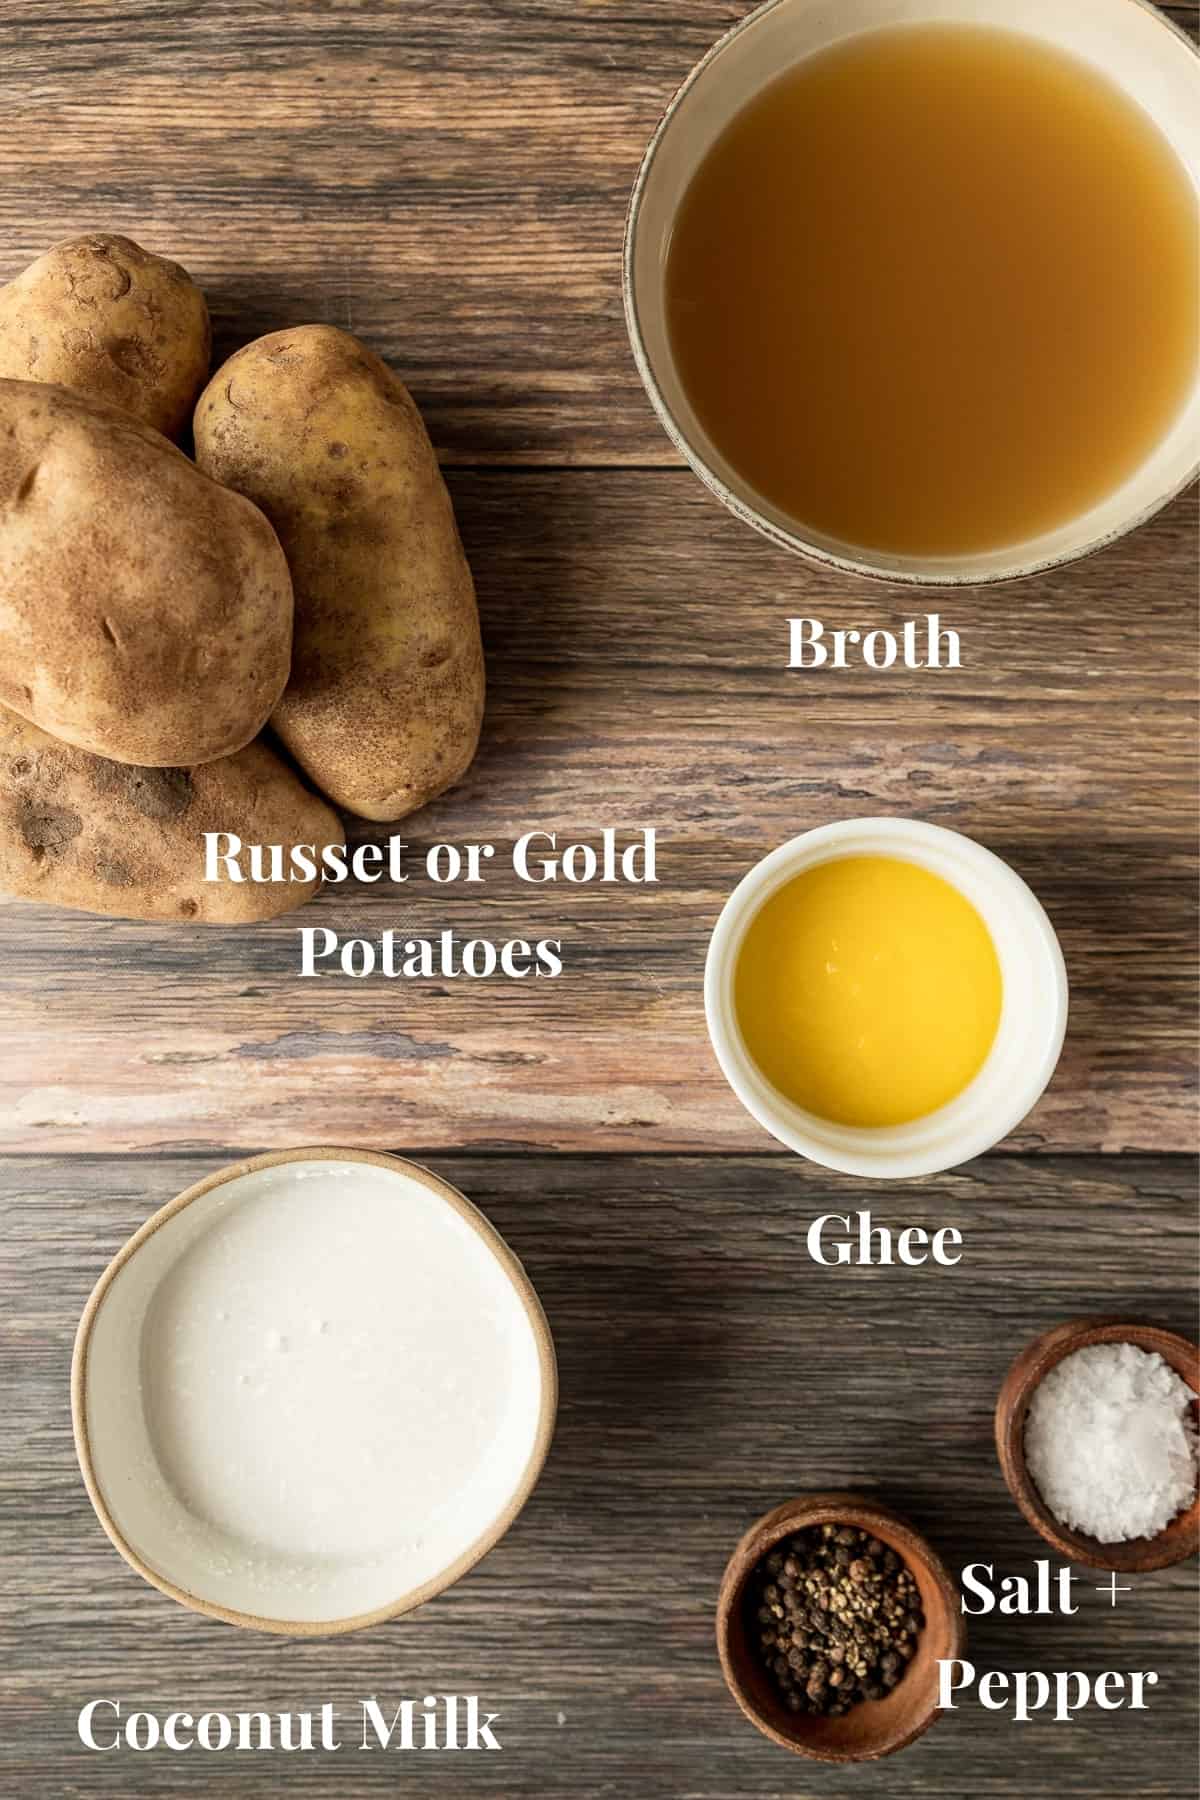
<point x="935" y="291"/>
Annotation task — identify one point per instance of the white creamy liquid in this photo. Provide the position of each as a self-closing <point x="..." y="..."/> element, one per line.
<point x="312" y="1391"/>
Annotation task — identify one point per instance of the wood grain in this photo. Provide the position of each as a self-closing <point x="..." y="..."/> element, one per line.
<point x="637" y="645"/>
<point x="449" y="179"/>
<point x="709" y="1371"/>
<point x="446" y="177"/>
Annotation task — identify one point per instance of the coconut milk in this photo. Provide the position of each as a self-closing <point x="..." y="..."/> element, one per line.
<point x="312" y="1391"/>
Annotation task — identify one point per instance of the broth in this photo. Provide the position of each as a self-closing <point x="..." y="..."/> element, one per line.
<point x="935" y="290"/>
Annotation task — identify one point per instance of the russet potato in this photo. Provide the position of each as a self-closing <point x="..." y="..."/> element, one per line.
<point x="145" y="611"/>
<point x="385" y="700"/>
<point x="102" y="316"/>
<point x="104" y="837"/>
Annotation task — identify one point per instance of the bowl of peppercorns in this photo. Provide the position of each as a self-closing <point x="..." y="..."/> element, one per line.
<point x="832" y="1618"/>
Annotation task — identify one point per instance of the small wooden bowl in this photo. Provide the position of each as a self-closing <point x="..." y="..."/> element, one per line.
<point x="872" y="1728"/>
<point x="1179" y="1539"/>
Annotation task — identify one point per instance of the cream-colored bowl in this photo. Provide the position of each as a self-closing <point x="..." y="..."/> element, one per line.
<point x="1130" y="41"/>
<point x="312" y="1391"/>
<point x="1033" y="1012"/>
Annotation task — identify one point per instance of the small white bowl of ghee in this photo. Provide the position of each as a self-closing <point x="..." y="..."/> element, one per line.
<point x="886" y="997"/>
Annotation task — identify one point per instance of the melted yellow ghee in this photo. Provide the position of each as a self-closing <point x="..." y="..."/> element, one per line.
<point x="868" y="991"/>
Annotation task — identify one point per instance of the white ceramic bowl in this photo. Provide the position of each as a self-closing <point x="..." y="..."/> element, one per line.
<point x="312" y="1392"/>
<point x="1033" y="1013"/>
<point x="1130" y="41"/>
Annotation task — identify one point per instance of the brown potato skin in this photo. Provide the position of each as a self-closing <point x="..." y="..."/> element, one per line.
<point x="145" y="612"/>
<point x="105" y="837"/>
<point x="104" y="317"/>
<point x="385" y="700"/>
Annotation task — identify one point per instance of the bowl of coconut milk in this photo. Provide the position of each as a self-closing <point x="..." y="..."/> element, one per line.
<point x="312" y="1391"/>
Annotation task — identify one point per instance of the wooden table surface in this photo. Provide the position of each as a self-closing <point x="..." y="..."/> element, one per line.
<point x="448" y="179"/>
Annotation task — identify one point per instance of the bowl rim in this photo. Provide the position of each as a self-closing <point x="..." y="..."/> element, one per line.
<point x="845" y="1507"/>
<point x="795" y="540"/>
<point x="414" y="1597"/>
<point x="1180" y="1538"/>
<point x="863" y="1153"/>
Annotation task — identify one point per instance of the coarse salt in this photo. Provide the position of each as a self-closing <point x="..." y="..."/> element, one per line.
<point x="1110" y="1442"/>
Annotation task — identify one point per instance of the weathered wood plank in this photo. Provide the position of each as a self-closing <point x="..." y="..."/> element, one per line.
<point x="709" y="1370"/>
<point x="637" y="649"/>
<point x="446" y="177"/>
<point x="449" y="177"/>
<point x="447" y="180"/>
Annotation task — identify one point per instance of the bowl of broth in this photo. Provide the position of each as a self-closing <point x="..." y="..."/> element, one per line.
<point x="914" y="285"/>
<point x="885" y="996"/>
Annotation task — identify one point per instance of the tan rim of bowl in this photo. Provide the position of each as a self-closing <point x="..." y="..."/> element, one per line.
<point x="746" y="506"/>
<point x="486" y="1541"/>
<point x="1177" y="1540"/>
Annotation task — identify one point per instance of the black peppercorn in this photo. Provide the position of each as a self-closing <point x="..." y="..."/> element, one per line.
<point x="835" y="1616"/>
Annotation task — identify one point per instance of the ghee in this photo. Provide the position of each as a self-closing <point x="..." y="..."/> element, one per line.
<point x="868" y="991"/>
